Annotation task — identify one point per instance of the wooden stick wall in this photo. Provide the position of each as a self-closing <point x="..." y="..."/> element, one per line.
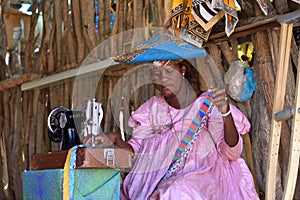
<point x="68" y="41"/>
<point x="62" y="47"/>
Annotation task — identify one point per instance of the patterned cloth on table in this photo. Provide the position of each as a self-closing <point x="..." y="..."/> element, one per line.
<point x="88" y="184"/>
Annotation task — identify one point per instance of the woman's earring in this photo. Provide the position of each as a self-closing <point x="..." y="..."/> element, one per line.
<point x="183" y="75"/>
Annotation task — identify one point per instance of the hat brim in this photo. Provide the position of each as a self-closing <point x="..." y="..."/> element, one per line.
<point x="162" y="47"/>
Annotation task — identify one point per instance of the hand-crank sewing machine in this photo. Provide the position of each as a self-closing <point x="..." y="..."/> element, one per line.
<point x="65" y="125"/>
<point x="71" y="127"/>
<point x="92" y="166"/>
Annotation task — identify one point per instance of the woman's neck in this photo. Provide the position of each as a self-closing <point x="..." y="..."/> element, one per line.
<point x="185" y="97"/>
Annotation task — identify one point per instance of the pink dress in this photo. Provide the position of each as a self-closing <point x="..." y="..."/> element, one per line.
<point x="211" y="170"/>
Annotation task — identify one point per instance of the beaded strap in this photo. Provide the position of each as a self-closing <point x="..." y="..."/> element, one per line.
<point x="190" y="136"/>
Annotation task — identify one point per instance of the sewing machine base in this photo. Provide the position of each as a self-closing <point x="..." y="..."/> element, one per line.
<point x="85" y="158"/>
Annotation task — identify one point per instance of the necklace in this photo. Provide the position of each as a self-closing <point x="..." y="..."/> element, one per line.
<point x="172" y="124"/>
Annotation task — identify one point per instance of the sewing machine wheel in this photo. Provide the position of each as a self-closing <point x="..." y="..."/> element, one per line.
<point x="55" y="131"/>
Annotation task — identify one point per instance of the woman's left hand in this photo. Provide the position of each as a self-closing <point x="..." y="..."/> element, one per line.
<point x="220" y="99"/>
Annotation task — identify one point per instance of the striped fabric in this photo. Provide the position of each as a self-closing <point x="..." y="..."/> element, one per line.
<point x="204" y="11"/>
<point x="231" y="16"/>
<point x="205" y="14"/>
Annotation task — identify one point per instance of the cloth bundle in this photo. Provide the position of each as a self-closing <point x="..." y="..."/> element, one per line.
<point x="239" y="81"/>
<point x="193" y="20"/>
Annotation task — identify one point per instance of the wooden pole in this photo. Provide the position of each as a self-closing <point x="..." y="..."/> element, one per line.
<point x="27" y="110"/>
<point x="30" y="43"/>
<point x="58" y="33"/>
<point x="46" y="36"/>
<point x="33" y="128"/>
<point x="4" y="169"/>
<point x="280" y="88"/>
<point x="291" y="178"/>
<point x="108" y="116"/>
<point x="51" y="56"/>
<point x="15" y="147"/>
<point x="88" y="25"/>
<point x="40" y="140"/>
<point x="78" y="30"/>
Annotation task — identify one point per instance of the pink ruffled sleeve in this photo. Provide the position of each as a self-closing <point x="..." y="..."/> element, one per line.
<point x="240" y="120"/>
<point x="216" y="127"/>
<point x="140" y="122"/>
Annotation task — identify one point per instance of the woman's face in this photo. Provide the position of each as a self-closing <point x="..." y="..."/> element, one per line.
<point x="168" y="79"/>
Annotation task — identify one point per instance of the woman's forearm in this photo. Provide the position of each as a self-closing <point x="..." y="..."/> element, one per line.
<point x="123" y="145"/>
<point x="230" y="133"/>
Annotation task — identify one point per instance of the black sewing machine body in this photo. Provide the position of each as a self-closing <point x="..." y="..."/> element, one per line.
<point x="64" y="126"/>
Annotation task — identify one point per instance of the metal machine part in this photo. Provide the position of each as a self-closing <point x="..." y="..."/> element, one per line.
<point x="64" y="125"/>
<point x="94" y="116"/>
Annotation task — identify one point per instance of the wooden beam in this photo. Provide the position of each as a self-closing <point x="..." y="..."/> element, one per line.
<point x="289" y="18"/>
<point x="254" y="25"/>
<point x="69" y="74"/>
<point x="13" y="82"/>
<point x="251" y="26"/>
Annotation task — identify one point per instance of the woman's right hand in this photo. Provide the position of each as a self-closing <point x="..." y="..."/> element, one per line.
<point x="103" y="140"/>
<point x="109" y="139"/>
